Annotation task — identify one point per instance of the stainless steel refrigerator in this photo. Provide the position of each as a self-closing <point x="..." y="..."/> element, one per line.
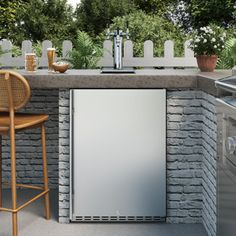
<point x="118" y="155"/>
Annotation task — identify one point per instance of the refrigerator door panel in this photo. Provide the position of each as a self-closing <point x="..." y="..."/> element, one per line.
<point x="119" y="152"/>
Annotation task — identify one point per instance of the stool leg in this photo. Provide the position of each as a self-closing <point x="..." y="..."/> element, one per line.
<point x="13" y="181"/>
<point x="14" y="221"/>
<point x="45" y="173"/>
<point x="0" y="171"/>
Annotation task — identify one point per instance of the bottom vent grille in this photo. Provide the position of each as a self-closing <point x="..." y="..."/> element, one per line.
<point x="118" y="219"/>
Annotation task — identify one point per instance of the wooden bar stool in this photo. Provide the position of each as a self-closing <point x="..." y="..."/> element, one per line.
<point x="14" y="94"/>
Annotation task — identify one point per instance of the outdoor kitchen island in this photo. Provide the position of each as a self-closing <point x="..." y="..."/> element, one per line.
<point x="191" y="136"/>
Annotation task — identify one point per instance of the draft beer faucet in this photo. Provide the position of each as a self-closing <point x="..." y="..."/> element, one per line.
<point x="118" y="35"/>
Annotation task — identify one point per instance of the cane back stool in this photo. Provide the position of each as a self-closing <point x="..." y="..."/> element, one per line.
<point x="14" y="94"/>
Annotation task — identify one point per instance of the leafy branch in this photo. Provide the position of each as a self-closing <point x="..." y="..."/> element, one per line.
<point x="227" y="58"/>
<point x="86" y="53"/>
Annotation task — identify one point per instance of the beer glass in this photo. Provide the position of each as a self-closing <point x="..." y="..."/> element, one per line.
<point x="30" y="62"/>
<point x="51" y="52"/>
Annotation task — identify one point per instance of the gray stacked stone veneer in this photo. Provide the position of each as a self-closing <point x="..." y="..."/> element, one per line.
<point x="209" y="147"/>
<point x="191" y="154"/>
<point x="184" y="156"/>
<point x="64" y="156"/>
<point x="29" y="157"/>
<point x="191" y="158"/>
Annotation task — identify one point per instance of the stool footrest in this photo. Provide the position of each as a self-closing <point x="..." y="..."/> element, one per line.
<point x="29" y="186"/>
<point x="25" y="186"/>
<point x="25" y="204"/>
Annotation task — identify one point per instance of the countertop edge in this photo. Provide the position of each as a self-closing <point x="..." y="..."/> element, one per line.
<point x="169" y="79"/>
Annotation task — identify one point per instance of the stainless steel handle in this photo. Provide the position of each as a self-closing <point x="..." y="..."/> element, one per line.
<point x="230" y="145"/>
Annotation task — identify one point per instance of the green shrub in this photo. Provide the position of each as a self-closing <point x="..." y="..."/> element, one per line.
<point x="149" y="27"/>
<point x="92" y="16"/>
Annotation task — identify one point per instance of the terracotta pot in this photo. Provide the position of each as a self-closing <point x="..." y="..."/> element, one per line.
<point x="207" y="63"/>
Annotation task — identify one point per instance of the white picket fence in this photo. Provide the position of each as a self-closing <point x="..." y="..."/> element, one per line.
<point x="148" y="61"/>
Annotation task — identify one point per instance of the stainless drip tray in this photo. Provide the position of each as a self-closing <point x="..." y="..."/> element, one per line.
<point x="110" y="70"/>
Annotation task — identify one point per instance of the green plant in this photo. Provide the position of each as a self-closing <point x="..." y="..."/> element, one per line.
<point x="86" y="53"/>
<point x="37" y="48"/>
<point x="94" y="16"/>
<point x="36" y="20"/>
<point x="208" y="40"/>
<point x="227" y="58"/>
<point x="9" y="18"/>
<point x="1" y="51"/>
<point x="144" y="27"/>
<point x="203" y="13"/>
<point x="16" y="51"/>
<point x="154" y="6"/>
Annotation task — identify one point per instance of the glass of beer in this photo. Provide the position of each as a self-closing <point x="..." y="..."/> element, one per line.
<point x="31" y="62"/>
<point x="51" y="52"/>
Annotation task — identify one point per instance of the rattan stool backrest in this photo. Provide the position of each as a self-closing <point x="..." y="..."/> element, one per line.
<point x="14" y="90"/>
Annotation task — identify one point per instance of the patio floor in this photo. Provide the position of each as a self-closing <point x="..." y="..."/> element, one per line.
<point x="32" y="222"/>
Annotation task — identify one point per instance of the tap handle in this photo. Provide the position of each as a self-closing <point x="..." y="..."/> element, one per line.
<point x="118" y="30"/>
<point x="108" y="33"/>
<point x="127" y="30"/>
<point x="127" y="34"/>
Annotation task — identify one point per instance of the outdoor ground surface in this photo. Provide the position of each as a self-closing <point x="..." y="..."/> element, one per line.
<point x="32" y="223"/>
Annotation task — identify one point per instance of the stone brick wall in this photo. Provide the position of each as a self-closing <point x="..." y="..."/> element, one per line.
<point x="64" y="156"/>
<point x="29" y="159"/>
<point x="184" y="157"/>
<point x="191" y="158"/>
<point x="209" y="146"/>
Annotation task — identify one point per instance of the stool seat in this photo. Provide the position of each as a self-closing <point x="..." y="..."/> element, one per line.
<point x="21" y="121"/>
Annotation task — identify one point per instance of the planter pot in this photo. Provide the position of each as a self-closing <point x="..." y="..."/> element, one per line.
<point x="207" y="63"/>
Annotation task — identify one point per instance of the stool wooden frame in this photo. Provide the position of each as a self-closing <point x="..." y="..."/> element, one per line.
<point x="14" y="94"/>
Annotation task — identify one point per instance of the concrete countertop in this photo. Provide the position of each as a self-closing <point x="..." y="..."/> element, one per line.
<point x="170" y="79"/>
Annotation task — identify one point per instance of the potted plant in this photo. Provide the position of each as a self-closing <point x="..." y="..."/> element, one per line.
<point x="207" y="43"/>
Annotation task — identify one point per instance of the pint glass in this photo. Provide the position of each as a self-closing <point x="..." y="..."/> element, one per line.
<point x="51" y="52"/>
